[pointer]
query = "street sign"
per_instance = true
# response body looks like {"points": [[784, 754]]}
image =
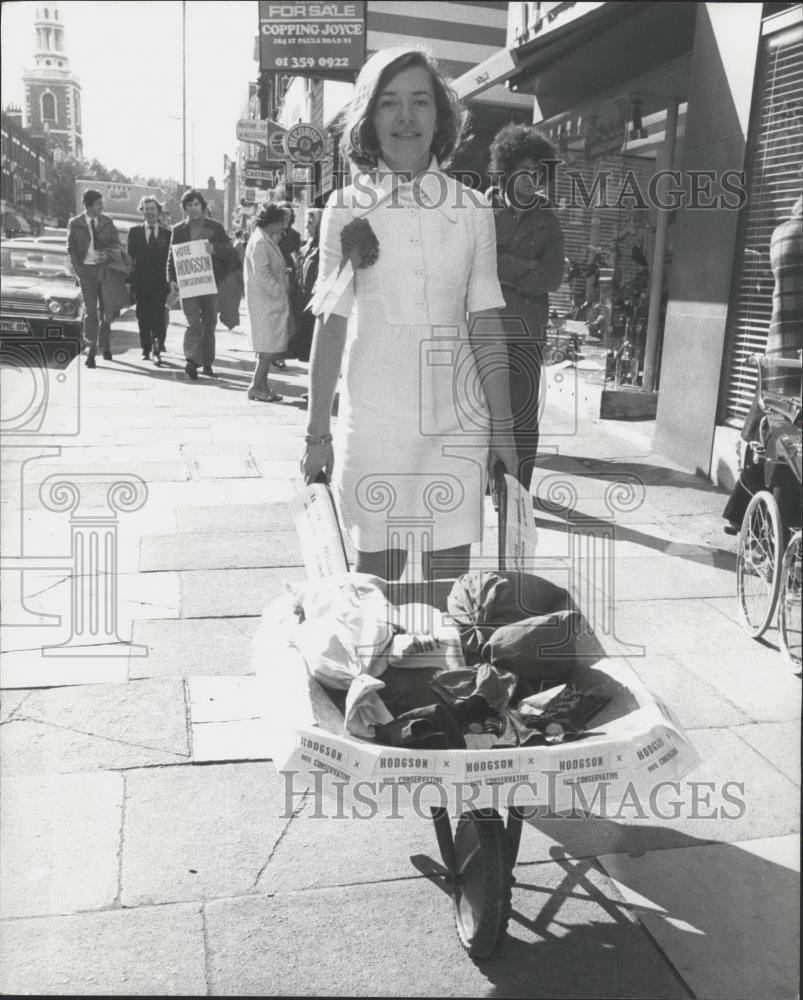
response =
{"points": [[276, 147], [252, 130], [305, 143], [266, 176], [312, 39]]}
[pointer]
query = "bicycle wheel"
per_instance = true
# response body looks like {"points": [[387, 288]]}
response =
{"points": [[483, 879], [789, 613], [758, 564]]}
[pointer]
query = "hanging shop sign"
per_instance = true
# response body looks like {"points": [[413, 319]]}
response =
{"points": [[323, 40], [304, 143], [252, 130]]}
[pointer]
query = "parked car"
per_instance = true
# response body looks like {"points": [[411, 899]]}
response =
{"points": [[39, 292]]}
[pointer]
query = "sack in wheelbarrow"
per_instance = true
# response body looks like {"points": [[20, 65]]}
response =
{"points": [[631, 744]]}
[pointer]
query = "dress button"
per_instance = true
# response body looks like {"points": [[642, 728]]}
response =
{"points": [[411, 211]]}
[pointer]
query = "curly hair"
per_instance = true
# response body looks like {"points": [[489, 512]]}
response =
{"points": [[515, 143], [146, 199], [269, 214], [360, 143]]}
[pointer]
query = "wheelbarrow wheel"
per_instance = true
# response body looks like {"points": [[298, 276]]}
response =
{"points": [[482, 881], [758, 563]]}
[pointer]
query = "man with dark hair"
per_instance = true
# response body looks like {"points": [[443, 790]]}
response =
{"points": [[530, 264], [90, 237], [148, 248], [201, 310]]}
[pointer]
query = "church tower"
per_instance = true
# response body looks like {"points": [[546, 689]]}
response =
{"points": [[52, 93]]}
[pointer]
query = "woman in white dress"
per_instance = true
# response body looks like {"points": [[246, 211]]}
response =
{"points": [[425, 410], [266, 296]]}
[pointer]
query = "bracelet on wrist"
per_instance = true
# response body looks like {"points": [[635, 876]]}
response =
{"points": [[317, 438]]}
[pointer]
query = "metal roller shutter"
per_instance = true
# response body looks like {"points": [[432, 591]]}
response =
{"points": [[773, 186]]}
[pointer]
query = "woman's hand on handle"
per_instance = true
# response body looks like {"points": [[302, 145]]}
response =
{"points": [[502, 451], [317, 462]]}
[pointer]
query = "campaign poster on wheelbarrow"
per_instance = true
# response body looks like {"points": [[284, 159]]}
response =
{"points": [[633, 747]]}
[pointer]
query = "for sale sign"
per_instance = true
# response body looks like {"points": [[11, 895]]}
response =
{"points": [[311, 39], [194, 272]]}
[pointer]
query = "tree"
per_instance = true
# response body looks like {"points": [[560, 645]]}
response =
{"points": [[67, 169]]}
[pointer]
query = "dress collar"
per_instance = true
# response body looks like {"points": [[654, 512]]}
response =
{"points": [[433, 187]]}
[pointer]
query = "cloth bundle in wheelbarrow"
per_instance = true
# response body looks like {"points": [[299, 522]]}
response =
{"points": [[628, 743]]}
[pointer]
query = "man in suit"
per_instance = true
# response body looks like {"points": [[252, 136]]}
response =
{"points": [[90, 236], [201, 310], [148, 248]]}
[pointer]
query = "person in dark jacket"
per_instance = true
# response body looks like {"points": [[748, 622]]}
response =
{"points": [[307, 275], [148, 248], [201, 310], [530, 264], [290, 245], [91, 237]]}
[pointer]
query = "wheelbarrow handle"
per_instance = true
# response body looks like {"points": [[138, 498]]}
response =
{"points": [[498, 484]]}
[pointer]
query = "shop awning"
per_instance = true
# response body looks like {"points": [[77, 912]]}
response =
{"points": [[578, 22], [590, 48]]}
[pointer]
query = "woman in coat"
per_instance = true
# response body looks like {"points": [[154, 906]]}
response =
{"points": [[267, 300]]}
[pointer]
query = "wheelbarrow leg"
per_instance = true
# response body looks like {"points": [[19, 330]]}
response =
{"points": [[443, 832], [514, 821]]}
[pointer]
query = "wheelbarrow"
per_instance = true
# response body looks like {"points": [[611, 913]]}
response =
{"points": [[634, 743]]}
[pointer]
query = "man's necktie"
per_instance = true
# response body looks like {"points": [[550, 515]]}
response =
{"points": [[94, 231]]}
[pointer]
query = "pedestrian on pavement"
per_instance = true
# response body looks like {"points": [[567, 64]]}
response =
{"points": [[148, 248], [267, 298], [530, 263], [239, 244], [200, 311], [290, 245], [401, 479], [91, 238], [785, 340], [306, 276]]}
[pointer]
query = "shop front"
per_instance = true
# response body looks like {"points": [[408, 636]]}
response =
{"points": [[679, 271]]}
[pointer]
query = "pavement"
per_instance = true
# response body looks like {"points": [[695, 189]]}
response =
{"points": [[147, 844]]}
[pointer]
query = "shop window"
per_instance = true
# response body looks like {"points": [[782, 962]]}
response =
{"points": [[773, 177]]}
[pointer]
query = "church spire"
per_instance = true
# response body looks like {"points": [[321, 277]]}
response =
{"points": [[52, 93], [49, 31]]}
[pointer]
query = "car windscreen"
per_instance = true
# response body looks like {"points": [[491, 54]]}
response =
{"points": [[41, 262]]}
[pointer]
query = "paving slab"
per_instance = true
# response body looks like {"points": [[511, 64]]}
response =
{"points": [[223, 699], [222, 493], [148, 951], [236, 517], [778, 742], [567, 938], [225, 550], [727, 916], [757, 682], [60, 843], [695, 703], [180, 647], [139, 595], [233, 592], [109, 726], [198, 832], [676, 627], [330, 844], [663, 577], [28, 668], [236, 740]]}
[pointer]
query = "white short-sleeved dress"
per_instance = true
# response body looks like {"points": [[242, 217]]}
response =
{"points": [[412, 436]]}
